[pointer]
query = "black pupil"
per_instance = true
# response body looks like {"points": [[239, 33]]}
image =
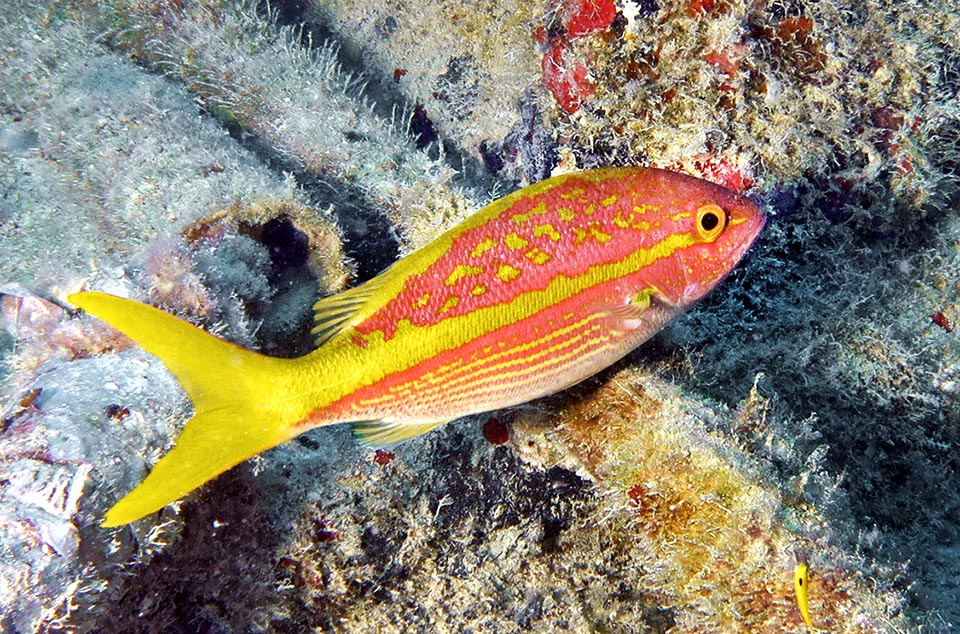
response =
{"points": [[709, 221]]}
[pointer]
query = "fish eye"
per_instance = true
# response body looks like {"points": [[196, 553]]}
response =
{"points": [[711, 221]]}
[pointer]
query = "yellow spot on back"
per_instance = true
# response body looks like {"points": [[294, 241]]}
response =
{"points": [[589, 210], [609, 200], [483, 247], [514, 242], [566, 214], [631, 221], [546, 230], [539, 210], [600, 236], [507, 273], [420, 303], [450, 304], [573, 193], [537, 256], [479, 289], [462, 271]]}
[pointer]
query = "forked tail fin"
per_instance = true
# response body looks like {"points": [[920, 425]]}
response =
{"points": [[241, 405]]}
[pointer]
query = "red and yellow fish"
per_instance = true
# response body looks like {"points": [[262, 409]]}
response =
{"points": [[535, 292]]}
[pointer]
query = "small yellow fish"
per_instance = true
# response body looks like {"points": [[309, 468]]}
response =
{"points": [[801, 583], [535, 292]]}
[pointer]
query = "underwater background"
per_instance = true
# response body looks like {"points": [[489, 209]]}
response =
{"points": [[232, 161]]}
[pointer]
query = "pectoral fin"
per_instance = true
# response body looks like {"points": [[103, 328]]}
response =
{"points": [[646, 307]]}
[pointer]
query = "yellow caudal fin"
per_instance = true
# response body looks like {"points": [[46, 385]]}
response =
{"points": [[238, 395]]}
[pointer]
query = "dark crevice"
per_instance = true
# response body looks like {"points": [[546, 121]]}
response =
{"points": [[369, 238], [285, 321]]}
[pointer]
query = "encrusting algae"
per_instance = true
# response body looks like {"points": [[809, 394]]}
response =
{"points": [[719, 542], [537, 291]]}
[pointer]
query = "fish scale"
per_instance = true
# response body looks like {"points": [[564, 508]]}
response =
{"points": [[538, 290]]}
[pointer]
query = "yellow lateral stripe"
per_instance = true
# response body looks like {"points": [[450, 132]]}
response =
{"points": [[528, 304]]}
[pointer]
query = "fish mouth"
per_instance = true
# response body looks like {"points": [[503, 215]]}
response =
{"points": [[755, 221], [745, 234], [745, 224], [747, 215]]}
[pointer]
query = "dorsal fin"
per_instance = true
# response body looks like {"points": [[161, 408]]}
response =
{"points": [[332, 315]]}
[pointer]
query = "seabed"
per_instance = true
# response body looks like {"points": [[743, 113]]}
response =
{"points": [[232, 161]]}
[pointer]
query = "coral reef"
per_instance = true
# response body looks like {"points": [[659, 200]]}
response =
{"points": [[715, 534], [79, 430], [298, 109], [103, 147], [475, 70], [210, 156]]}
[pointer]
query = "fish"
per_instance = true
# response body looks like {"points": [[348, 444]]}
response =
{"points": [[801, 586], [537, 291]]}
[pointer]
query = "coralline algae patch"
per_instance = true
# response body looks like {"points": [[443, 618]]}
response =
{"points": [[566, 81], [742, 93], [721, 88], [747, 94]]}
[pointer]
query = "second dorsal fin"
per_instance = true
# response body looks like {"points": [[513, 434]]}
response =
{"points": [[332, 315]]}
